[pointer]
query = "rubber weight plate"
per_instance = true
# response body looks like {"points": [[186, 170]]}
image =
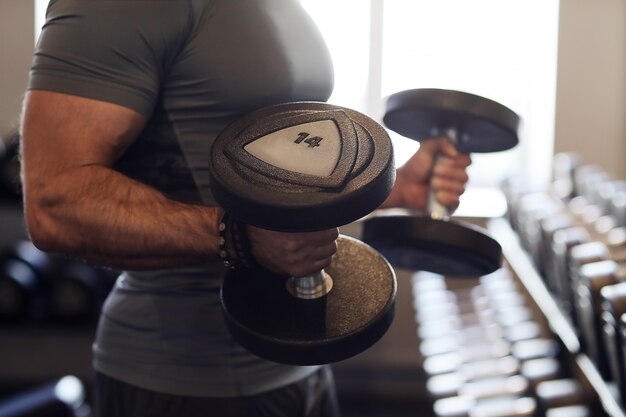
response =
{"points": [[268, 321], [482, 125], [302, 167], [420, 243]]}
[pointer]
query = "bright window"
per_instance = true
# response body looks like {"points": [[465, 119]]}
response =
{"points": [[505, 50]]}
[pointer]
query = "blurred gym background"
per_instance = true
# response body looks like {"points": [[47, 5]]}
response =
{"points": [[561, 65]]}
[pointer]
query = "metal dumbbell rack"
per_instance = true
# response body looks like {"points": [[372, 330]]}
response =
{"points": [[487, 346], [526, 259], [525, 271]]}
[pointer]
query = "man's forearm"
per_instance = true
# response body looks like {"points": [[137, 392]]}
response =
{"points": [[104, 217]]}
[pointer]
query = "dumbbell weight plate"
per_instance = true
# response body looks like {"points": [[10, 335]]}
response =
{"points": [[593, 277], [442, 246], [450, 248], [424, 113], [256, 177], [301, 167], [613, 307], [270, 322]]}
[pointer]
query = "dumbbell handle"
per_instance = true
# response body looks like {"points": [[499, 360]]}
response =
{"points": [[311, 286], [437, 210]]}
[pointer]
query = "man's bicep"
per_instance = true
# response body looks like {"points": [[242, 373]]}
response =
{"points": [[61, 132]]}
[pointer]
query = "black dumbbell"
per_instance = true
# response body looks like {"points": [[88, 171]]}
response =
{"points": [[576, 254], [564, 166], [303, 167], [23, 268], [577, 214], [533, 210], [613, 299], [587, 180], [435, 243], [606, 193], [558, 269], [64, 397], [593, 277], [560, 393], [617, 207], [612, 246], [467, 406], [593, 210]]}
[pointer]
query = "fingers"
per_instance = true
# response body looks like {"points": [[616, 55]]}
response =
{"points": [[449, 179], [454, 169], [293, 254], [449, 174]]}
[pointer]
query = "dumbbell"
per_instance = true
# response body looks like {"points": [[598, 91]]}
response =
{"points": [[301, 167], [467, 406], [480, 360], [578, 213], [560, 393], [566, 256], [64, 397], [593, 278], [606, 194], [436, 243], [592, 209], [617, 207], [578, 256], [564, 166], [613, 300], [23, 268], [532, 209], [563, 241], [612, 246]]}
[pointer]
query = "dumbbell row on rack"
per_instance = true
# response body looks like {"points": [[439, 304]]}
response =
{"points": [[484, 354], [37, 286], [582, 242]]}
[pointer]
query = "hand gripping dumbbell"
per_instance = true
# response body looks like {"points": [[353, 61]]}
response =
{"points": [[435, 243], [301, 167]]}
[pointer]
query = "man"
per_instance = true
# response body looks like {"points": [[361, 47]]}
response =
{"points": [[124, 101]]}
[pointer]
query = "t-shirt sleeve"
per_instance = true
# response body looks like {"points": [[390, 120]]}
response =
{"points": [[110, 50]]}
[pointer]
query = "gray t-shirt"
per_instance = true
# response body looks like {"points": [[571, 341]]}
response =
{"points": [[191, 67]]}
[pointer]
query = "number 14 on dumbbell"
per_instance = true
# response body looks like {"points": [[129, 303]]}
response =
{"points": [[303, 167]]}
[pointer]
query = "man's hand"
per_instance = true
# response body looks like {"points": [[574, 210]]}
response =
{"points": [[293, 254], [437, 164]]}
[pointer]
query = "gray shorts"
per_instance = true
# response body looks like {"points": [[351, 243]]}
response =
{"points": [[314, 396]]}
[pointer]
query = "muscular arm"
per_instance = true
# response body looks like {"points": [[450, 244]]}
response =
{"points": [[77, 204]]}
